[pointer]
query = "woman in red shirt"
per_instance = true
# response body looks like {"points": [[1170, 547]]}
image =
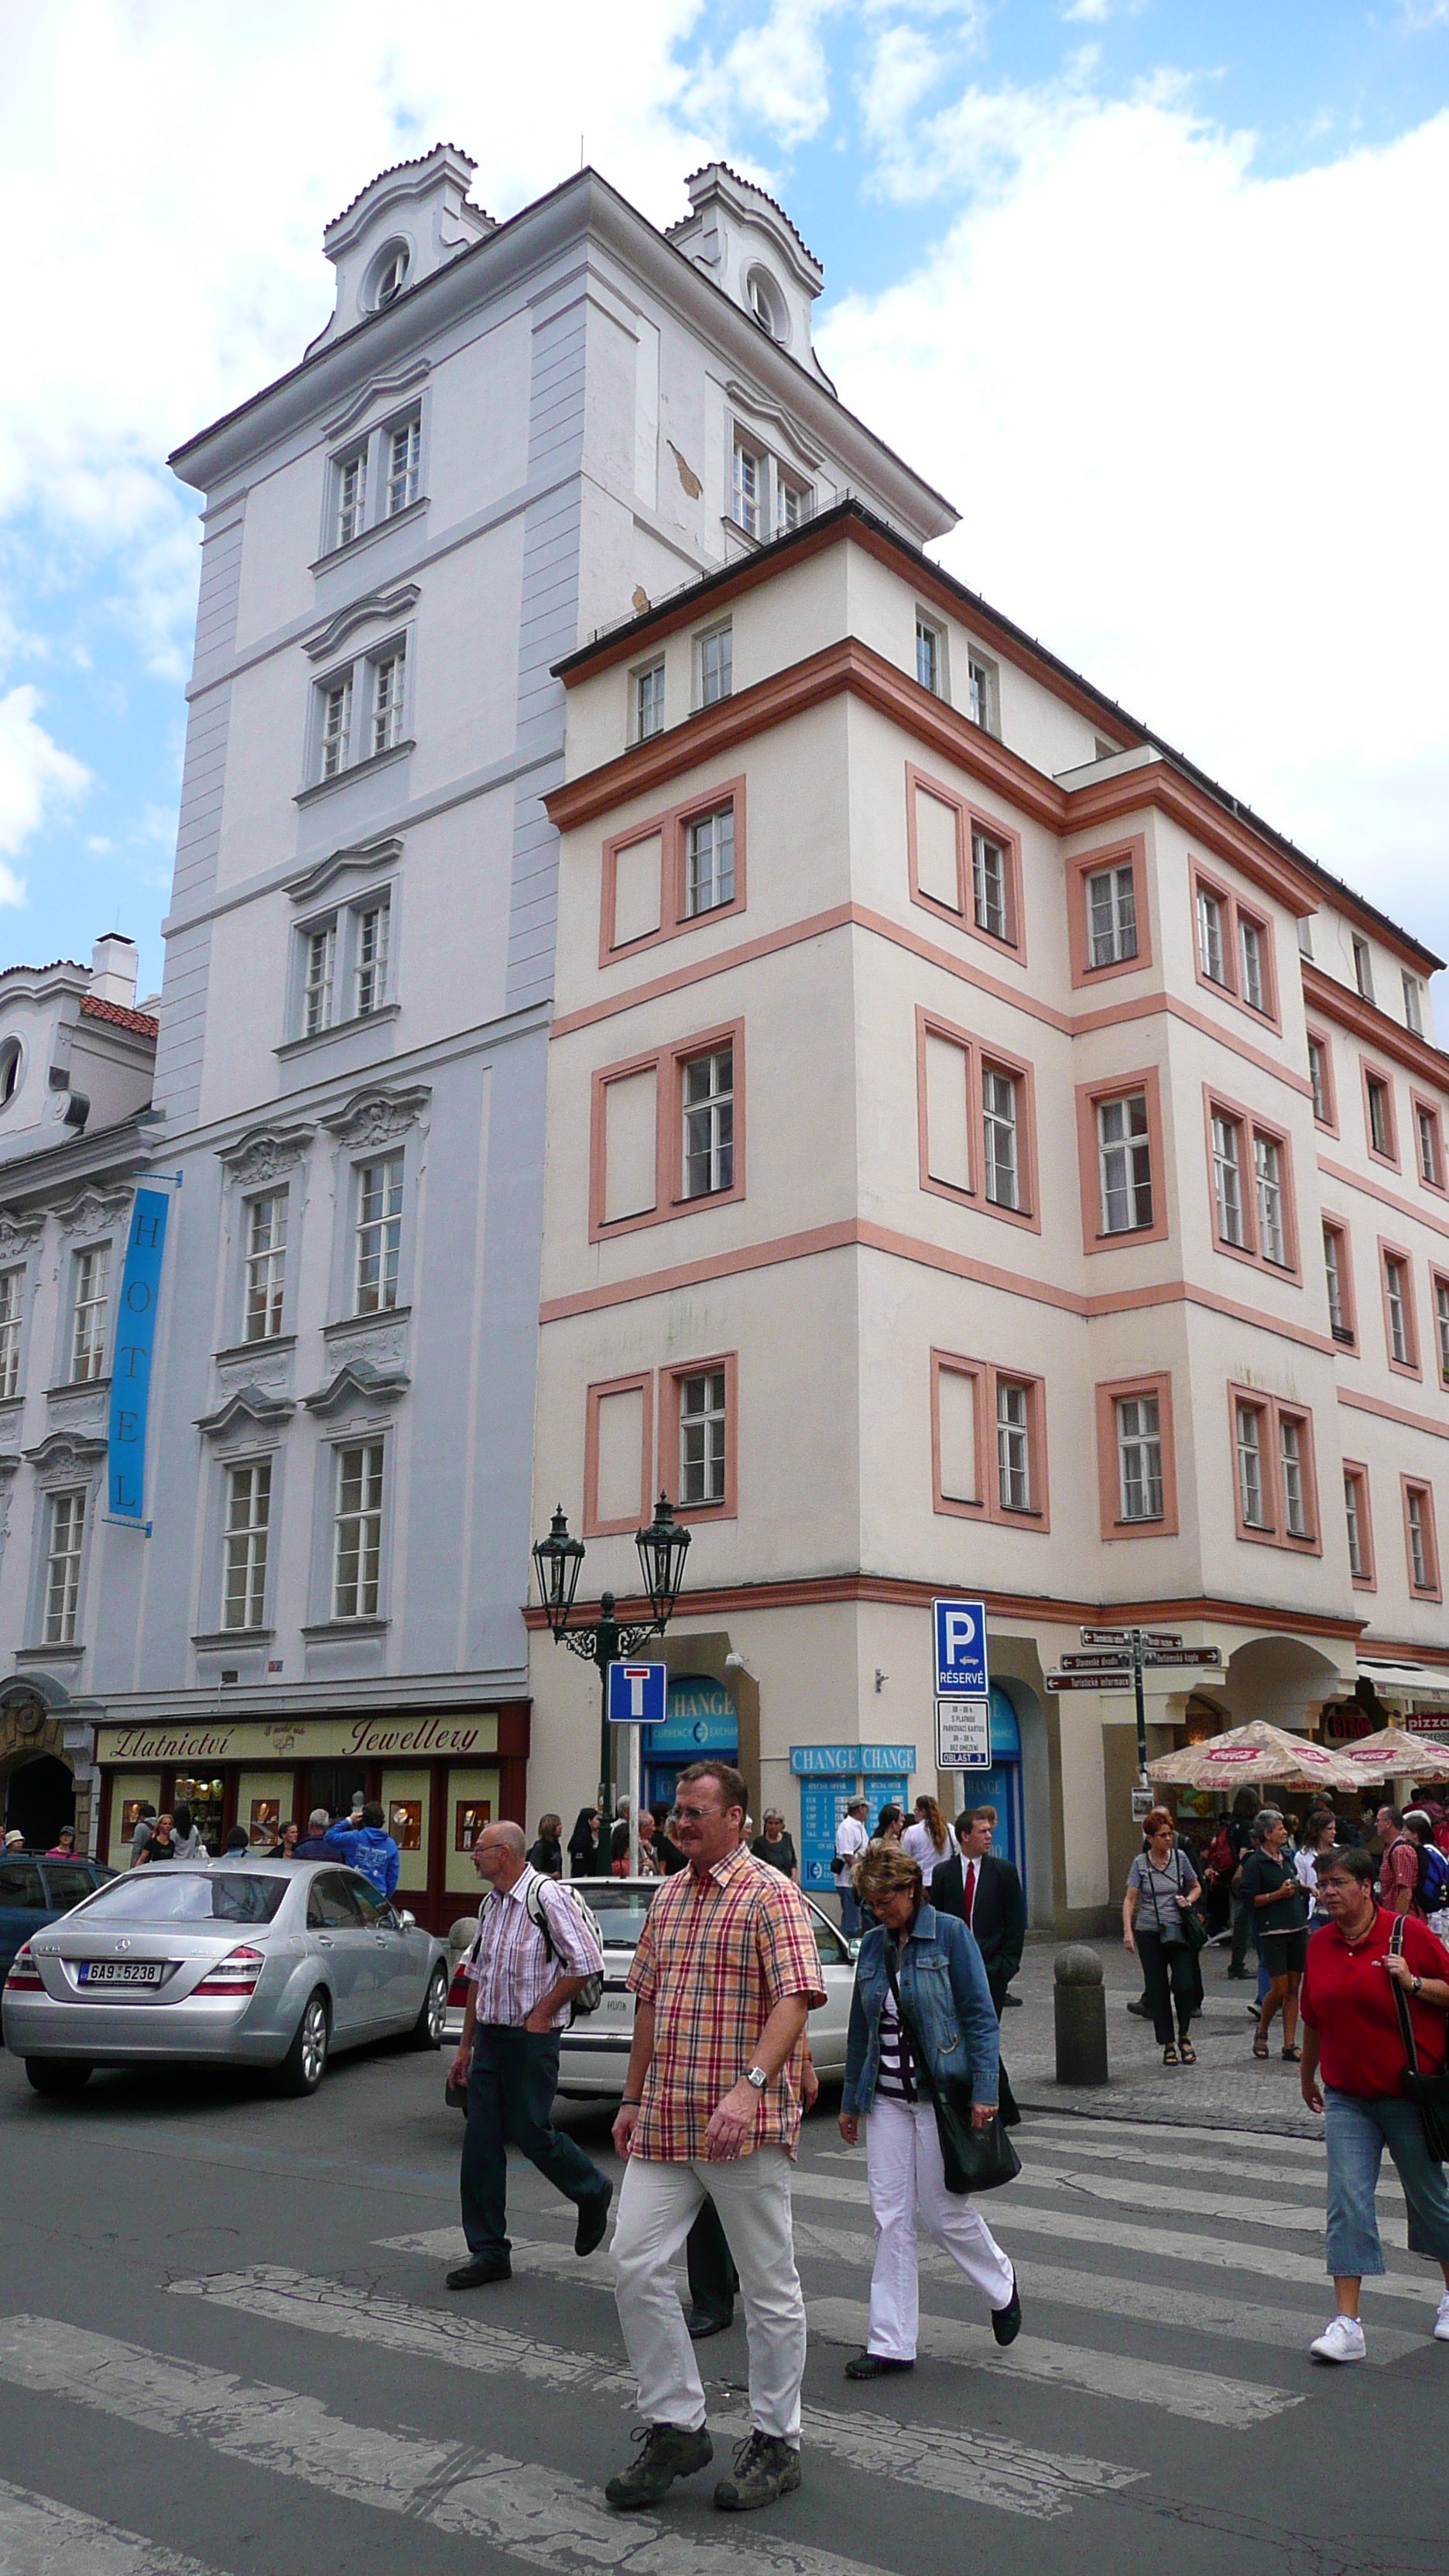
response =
{"points": [[1352, 2040]]}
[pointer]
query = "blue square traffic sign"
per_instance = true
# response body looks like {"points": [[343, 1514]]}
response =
{"points": [[961, 1649], [637, 1694]]}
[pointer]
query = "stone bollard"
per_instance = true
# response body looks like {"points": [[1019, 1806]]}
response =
{"points": [[1081, 2016]]}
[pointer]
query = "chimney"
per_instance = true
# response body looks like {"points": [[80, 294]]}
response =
{"points": [[113, 970]]}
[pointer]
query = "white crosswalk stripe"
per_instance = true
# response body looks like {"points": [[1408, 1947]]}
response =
{"points": [[41, 2537], [1040, 2149]]}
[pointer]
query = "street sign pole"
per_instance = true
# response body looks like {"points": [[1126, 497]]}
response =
{"points": [[636, 1739], [1141, 1707]]}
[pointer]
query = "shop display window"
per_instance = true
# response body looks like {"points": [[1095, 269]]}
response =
{"points": [[405, 1823], [266, 1819], [204, 1797], [131, 1814], [470, 1817]]}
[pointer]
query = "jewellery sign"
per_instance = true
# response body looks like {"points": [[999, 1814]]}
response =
{"points": [[378, 1739], [131, 1365]]}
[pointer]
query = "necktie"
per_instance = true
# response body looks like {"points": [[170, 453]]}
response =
{"points": [[970, 1890]]}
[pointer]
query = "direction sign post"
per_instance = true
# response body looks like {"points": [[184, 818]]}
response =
{"points": [[636, 1695], [1116, 1652]]}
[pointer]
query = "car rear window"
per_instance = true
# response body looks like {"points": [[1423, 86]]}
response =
{"points": [[68, 1881], [174, 1895], [22, 1884], [620, 1909]]}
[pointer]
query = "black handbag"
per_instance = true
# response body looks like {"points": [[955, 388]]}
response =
{"points": [[1431, 2092], [974, 2159]]}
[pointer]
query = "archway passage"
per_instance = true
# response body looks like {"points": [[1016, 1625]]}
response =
{"points": [[39, 1799]]}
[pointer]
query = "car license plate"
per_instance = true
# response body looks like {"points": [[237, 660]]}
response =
{"points": [[120, 1972]]}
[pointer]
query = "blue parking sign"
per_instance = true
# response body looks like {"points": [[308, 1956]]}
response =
{"points": [[637, 1694], [961, 1649]]}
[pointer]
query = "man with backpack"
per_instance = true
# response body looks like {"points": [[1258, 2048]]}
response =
{"points": [[533, 1953], [1431, 1880]]}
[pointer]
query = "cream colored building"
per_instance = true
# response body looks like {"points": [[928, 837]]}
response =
{"points": [[982, 1157]]}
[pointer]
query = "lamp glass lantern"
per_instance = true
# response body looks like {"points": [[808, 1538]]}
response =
{"points": [[663, 1547], [559, 1561]]}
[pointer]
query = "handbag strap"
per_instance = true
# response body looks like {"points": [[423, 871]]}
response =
{"points": [[1406, 2026]]}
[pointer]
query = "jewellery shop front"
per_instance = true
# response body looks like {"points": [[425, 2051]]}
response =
{"points": [[438, 1779]]}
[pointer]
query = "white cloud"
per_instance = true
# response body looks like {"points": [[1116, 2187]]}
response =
{"points": [[1094, 12], [776, 73], [36, 778]]}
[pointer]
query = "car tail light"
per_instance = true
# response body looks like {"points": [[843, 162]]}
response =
{"points": [[24, 1977], [458, 1990], [236, 1974]]}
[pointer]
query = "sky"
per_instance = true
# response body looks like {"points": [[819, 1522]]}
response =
{"points": [[1153, 290]]}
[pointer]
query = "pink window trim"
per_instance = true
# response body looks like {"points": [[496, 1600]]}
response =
{"points": [[672, 828], [1090, 863], [593, 1526], [987, 1375], [1339, 1225], [1326, 1126], [668, 1420], [1109, 1492], [1090, 1098], [1390, 1160], [977, 1058], [1420, 1100], [1432, 1590], [1234, 909], [1367, 1581], [667, 1064], [1271, 1409], [969, 818], [956, 1506], [1438, 1278], [1411, 1367], [1249, 1121]]}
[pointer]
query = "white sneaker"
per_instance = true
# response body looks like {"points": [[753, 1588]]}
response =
{"points": [[1343, 2341], [1441, 2322]]}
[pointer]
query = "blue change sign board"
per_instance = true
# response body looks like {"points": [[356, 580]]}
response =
{"points": [[636, 1694], [961, 1650]]}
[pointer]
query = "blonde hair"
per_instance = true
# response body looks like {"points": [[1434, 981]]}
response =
{"points": [[885, 1870]]}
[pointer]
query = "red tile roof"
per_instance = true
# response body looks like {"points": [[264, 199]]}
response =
{"points": [[141, 1021]]}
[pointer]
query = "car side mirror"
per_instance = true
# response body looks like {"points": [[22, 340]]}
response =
{"points": [[409, 1922]]}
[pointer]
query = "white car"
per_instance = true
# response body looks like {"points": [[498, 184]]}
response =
{"points": [[594, 2054]]}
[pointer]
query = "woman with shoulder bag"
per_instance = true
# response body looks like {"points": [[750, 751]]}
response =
{"points": [[1374, 2004], [1162, 1889], [920, 1993]]}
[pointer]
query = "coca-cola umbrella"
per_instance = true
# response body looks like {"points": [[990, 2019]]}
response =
{"points": [[1393, 1754], [1258, 1756]]}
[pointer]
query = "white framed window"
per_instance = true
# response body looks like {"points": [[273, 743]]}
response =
{"points": [[649, 702], [266, 1266], [1413, 1003], [1124, 1158], [1363, 967], [747, 489], [369, 965], [350, 473], [361, 711], [930, 656], [714, 664], [404, 443], [1249, 1432], [702, 1431], [317, 982], [336, 726], [1227, 1179], [388, 676], [244, 1563], [708, 1089], [92, 1278], [1250, 963], [12, 1283], [1210, 936], [709, 861], [1353, 1522], [1380, 1134], [989, 885], [1431, 1159], [357, 1531], [1396, 1306], [1419, 1564], [1139, 1458], [1290, 1466], [1013, 1445], [1333, 1280], [1441, 1323], [792, 504], [1318, 1076], [1111, 915], [1000, 1105], [1268, 1177], [64, 1540], [392, 277], [379, 1233], [981, 692], [1305, 936]]}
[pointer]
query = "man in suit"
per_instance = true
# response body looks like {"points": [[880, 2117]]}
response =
{"points": [[985, 1893]]}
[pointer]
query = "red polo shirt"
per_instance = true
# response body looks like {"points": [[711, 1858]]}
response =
{"points": [[1348, 1998]]}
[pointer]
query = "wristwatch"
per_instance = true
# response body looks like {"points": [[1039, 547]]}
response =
{"points": [[756, 2078], [1417, 1987]]}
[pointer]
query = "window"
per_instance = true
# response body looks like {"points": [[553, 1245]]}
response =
{"points": [[387, 700], [357, 1526], [64, 1540], [88, 1319], [11, 1055], [1399, 1313], [715, 653], [975, 1135], [351, 473], [981, 693], [747, 488], [1013, 1445], [11, 1286], [1380, 1106], [792, 505], [1139, 1458], [1210, 936], [1124, 1162], [1290, 1467], [1335, 1273], [990, 878], [1276, 1496], [370, 960], [1431, 1145], [998, 1129], [317, 984], [1111, 916], [1441, 1324], [360, 711], [1423, 1548], [1318, 1075], [928, 656], [248, 1512], [392, 276], [1268, 1177], [702, 1423], [266, 1265], [709, 861], [1356, 1524], [1363, 967], [336, 727], [972, 1400], [709, 1122], [1227, 1180], [649, 702], [404, 456], [1413, 1003], [1305, 936], [1249, 1420], [379, 1233], [1250, 963], [766, 304], [963, 865]]}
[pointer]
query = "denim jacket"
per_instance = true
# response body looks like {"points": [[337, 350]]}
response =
{"points": [[944, 1990]]}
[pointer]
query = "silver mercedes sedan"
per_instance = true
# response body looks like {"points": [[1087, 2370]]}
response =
{"points": [[269, 1964]]}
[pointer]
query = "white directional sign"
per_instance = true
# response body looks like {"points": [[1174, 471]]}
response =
{"points": [[963, 1735], [637, 1694], [960, 1650]]}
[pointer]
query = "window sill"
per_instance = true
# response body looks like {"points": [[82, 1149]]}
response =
{"points": [[376, 1318], [69, 1654], [221, 1639], [1147, 1521], [291, 1047], [254, 1350], [11, 1405], [355, 769], [324, 1628], [1019, 1512], [368, 536], [76, 1386]]}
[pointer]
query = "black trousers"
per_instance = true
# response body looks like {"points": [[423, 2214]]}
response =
{"points": [[511, 2084], [1244, 1931], [713, 2279], [1005, 2098], [1168, 1975]]}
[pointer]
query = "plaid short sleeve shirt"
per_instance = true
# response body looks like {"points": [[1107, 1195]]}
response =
{"points": [[714, 1959]]}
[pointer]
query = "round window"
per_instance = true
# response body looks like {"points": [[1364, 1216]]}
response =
{"points": [[767, 304], [389, 274], [9, 1071]]}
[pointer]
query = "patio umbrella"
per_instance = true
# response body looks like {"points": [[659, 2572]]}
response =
{"points": [[1394, 1754], [1257, 1756]]}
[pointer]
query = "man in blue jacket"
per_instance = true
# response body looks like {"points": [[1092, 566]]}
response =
{"points": [[369, 1848]]}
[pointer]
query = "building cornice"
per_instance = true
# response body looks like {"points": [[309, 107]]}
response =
{"points": [[1334, 1001], [807, 1591]]}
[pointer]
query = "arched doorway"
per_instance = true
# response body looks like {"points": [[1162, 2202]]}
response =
{"points": [[39, 1799]]}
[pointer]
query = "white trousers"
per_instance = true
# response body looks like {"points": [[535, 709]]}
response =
{"points": [[907, 2178], [658, 2204]]}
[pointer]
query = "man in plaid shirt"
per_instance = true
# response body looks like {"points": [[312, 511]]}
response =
{"points": [[724, 1976]]}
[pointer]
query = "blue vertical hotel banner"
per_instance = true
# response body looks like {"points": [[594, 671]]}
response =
{"points": [[131, 1365]]}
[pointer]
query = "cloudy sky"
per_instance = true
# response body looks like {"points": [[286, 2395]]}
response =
{"points": [[1153, 289]]}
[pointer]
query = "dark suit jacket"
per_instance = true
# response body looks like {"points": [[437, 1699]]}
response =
{"points": [[998, 1917]]}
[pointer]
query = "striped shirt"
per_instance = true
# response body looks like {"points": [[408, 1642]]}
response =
{"points": [[896, 2073], [714, 1958], [509, 1965]]}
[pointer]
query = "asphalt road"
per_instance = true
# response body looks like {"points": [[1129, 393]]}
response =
{"points": [[225, 2343]]}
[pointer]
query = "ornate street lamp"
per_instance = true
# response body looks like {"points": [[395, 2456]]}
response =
{"points": [[559, 1559]]}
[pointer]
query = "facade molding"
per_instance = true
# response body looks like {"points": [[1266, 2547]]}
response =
{"points": [[376, 1114], [357, 1379], [264, 1152], [356, 858], [811, 1591], [375, 607]]}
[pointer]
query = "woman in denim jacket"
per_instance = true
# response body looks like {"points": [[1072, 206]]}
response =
{"points": [[948, 2003]]}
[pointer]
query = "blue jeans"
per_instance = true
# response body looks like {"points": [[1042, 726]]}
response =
{"points": [[1358, 2127], [849, 1907], [511, 2085]]}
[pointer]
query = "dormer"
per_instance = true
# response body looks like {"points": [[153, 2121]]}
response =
{"points": [[407, 223], [76, 1056], [748, 245]]}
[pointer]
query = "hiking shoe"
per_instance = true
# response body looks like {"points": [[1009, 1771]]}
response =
{"points": [[593, 2219], [1006, 2322], [1441, 2322], [1341, 2341], [666, 2452], [765, 2469]]}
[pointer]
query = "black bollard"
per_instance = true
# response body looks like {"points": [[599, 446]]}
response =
{"points": [[1081, 2016]]}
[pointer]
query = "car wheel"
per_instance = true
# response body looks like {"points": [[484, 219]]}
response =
{"points": [[305, 2063], [427, 2030], [58, 2079]]}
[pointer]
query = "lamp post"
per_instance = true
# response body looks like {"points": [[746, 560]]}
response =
{"points": [[559, 1559]]}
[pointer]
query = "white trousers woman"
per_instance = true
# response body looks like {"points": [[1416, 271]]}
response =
{"points": [[908, 2187]]}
